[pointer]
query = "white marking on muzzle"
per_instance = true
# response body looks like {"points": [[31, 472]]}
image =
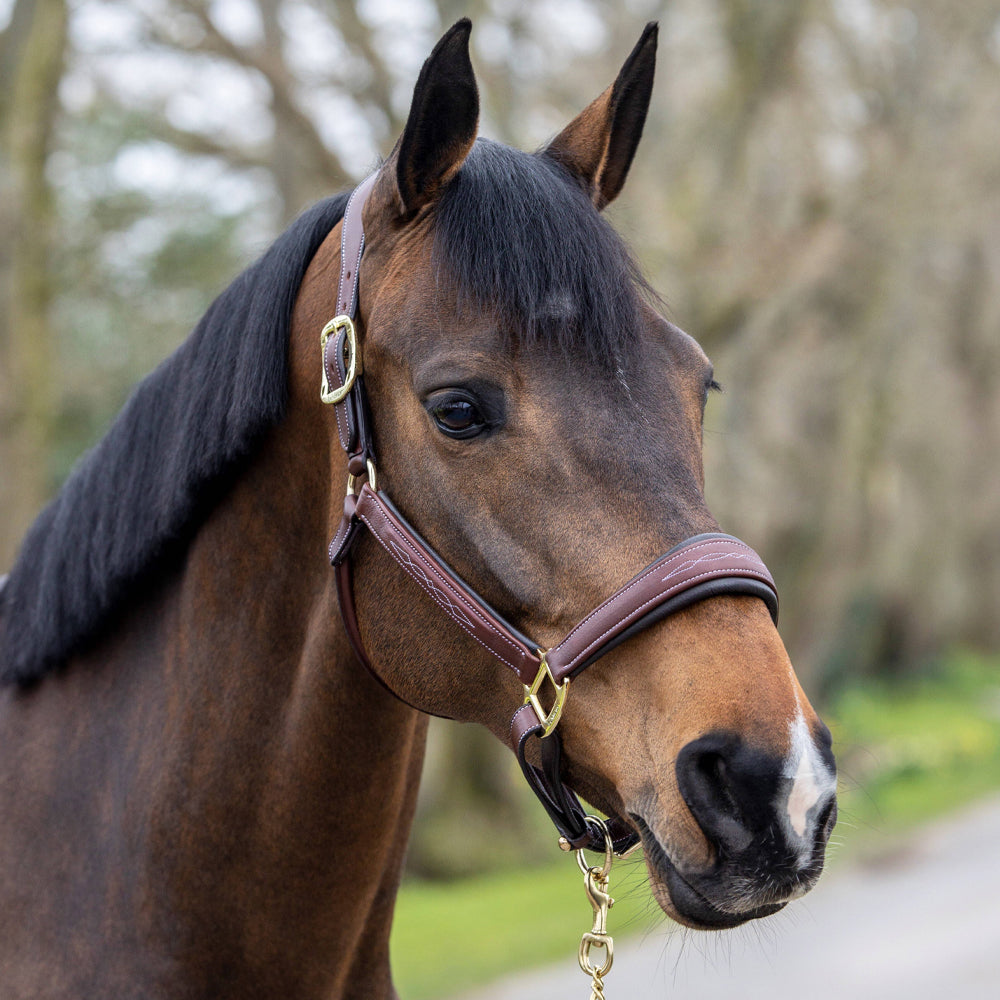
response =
{"points": [[811, 782]]}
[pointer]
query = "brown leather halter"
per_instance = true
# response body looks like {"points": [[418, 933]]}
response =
{"points": [[700, 567]]}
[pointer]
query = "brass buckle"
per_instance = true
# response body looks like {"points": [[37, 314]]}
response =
{"points": [[352, 481], [549, 719], [332, 329]]}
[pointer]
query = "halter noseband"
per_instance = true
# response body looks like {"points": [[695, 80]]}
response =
{"points": [[703, 566]]}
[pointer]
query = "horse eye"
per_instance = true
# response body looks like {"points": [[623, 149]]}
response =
{"points": [[458, 418]]}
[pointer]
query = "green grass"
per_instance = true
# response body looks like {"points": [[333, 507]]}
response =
{"points": [[449, 937], [905, 752], [908, 753]]}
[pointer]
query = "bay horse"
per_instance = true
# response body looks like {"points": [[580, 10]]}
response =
{"points": [[203, 792]]}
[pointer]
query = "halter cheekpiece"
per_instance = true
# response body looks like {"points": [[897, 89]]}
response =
{"points": [[702, 566]]}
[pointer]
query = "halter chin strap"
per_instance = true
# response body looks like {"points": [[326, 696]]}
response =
{"points": [[703, 566]]}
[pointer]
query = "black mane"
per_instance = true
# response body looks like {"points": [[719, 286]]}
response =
{"points": [[523, 240], [516, 232], [139, 496]]}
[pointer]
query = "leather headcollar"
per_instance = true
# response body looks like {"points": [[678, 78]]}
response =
{"points": [[700, 567]]}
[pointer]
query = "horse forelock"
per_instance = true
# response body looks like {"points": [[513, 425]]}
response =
{"points": [[523, 241], [135, 501]]}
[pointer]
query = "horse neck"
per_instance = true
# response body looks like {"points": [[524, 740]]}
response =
{"points": [[297, 810]]}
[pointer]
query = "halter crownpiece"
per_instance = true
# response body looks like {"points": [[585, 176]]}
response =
{"points": [[704, 566]]}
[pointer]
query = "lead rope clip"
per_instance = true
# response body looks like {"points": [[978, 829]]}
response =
{"points": [[595, 881]]}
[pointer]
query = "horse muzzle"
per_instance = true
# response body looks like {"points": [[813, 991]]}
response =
{"points": [[767, 819]]}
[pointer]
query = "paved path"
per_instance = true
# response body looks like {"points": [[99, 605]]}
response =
{"points": [[922, 925]]}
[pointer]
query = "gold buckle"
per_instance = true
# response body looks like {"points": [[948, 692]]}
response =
{"points": [[352, 481], [549, 719], [332, 329]]}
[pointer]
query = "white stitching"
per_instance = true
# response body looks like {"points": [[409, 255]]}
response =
{"points": [[354, 283], [345, 442], [341, 433], [428, 584], [510, 734], [349, 307], [662, 595], [708, 557], [333, 548], [655, 568], [485, 621], [435, 596], [343, 246], [440, 598]]}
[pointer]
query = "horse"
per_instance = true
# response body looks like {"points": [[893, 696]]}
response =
{"points": [[208, 771]]}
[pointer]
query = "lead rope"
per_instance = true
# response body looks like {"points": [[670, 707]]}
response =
{"points": [[596, 882]]}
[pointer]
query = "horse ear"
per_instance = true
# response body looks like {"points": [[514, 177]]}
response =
{"points": [[443, 121], [598, 145]]}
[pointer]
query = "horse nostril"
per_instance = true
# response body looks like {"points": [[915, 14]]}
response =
{"points": [[725, 787], [714, 775], [745, 799]]}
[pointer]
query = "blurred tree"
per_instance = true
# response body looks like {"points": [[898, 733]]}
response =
{"points": [[826, 200], [31, 62]]}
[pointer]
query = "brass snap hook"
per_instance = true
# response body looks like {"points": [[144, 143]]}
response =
{"points": [[609, 849], [596, 883], [597, 936]]}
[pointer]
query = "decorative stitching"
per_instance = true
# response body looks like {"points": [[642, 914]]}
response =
{"points": [[428, 584], [437, 595], [708, 557], [482, 618], [657, 598], [655, 568], [663, 594]]}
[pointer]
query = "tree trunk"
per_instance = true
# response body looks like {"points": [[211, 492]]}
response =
{"points": [[32, 55]]}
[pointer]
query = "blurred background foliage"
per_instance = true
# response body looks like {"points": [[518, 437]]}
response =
{"points": [[817, 197]]}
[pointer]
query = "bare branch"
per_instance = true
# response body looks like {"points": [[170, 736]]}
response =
{"points": [[282, 85]]}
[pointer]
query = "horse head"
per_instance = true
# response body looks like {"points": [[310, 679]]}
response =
{"points": [[539, 423]]}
